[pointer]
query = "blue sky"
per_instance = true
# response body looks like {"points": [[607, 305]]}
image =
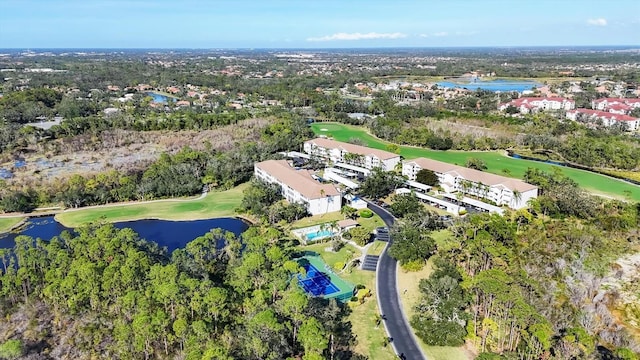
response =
{"points": [[315, 24]]}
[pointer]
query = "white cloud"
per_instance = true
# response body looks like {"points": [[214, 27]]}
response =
{"points": [[597, 22], [437, 34], [358, 36]]}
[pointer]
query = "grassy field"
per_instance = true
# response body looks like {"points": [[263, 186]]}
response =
{"points": [[408, 283], [6, 223], [363, 317], [215, 204], [376, 248], [495, 161]]}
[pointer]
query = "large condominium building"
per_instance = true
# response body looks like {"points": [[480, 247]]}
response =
{"points": [[298, 186], [616, 105], [533, 104], [340, 152], [452, 178], [608, 118]]}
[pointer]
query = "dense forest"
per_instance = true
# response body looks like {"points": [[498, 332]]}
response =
{"points": [[105, 293]]}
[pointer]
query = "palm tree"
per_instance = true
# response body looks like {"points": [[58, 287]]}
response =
{"points": [[516, 198]]}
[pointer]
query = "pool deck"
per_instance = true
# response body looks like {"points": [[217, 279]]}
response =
{"points": [[303, 232]]}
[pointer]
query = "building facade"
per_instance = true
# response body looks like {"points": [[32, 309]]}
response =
{"points": [[340, 152], [607, 118], [299, 186], [452, 178], [615, 105], [527, 105]]}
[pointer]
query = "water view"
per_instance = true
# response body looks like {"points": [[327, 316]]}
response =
{"points": [[493, 85], [172, 234], [159, 98]]}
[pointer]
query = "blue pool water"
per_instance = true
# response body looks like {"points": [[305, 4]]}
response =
{"points": [[319, 234], [172, 234], [315, 282], [494, 85], [157, 98]]}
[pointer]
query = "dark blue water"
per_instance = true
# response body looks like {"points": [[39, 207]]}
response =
{"points": [[494, 85], [160, 98], [172, 234]]}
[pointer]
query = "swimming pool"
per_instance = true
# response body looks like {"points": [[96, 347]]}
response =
{"points": [[315, 232], [319, 235]]}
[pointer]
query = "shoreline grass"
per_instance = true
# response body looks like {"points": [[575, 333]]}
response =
{"points": [[215, 204], [7, 223], [496, 161]]}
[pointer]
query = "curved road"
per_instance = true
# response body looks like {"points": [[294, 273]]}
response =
{"points": [[395, 322]]}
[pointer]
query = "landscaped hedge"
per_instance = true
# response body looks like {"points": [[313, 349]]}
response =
{"points": [[366, 213]]}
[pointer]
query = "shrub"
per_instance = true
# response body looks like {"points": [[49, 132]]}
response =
{"points": [[462, 212], [11, 349], [360, 286], [414, 265], [360, 235], [354, 298], [336, 245], [339, 265], [366, 213]]}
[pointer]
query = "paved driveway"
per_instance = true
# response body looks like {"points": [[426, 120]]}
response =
{"points": [[397, 326]]}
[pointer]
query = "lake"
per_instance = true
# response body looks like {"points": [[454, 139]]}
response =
{"points": [[501, 85], [172, 234], [158, 98]]}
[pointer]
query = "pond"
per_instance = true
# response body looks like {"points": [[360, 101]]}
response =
{"points": [[493, 85], [172, 234], [159, 98]]}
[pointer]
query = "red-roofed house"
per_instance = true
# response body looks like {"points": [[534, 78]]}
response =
{"points": [[533, 104], [615, 105], [607, 118]]}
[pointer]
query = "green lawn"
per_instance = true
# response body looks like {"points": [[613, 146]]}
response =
{"points": [[376, 248], [6, 223], [495, 161], [215, 204], [345, 254]]}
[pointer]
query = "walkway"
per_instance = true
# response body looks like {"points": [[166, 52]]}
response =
{"points": [[395, 321]]}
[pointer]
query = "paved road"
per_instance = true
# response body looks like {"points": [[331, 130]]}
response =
{"points": [[396, 324]]}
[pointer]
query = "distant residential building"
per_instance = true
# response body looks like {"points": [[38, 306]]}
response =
{"points": [[534, 104], [501, 190], [341, 152], [615, 105], [299, 186], [607, 118]]}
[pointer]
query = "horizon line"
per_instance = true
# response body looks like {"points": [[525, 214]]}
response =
{"points": [[322, 48]]}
